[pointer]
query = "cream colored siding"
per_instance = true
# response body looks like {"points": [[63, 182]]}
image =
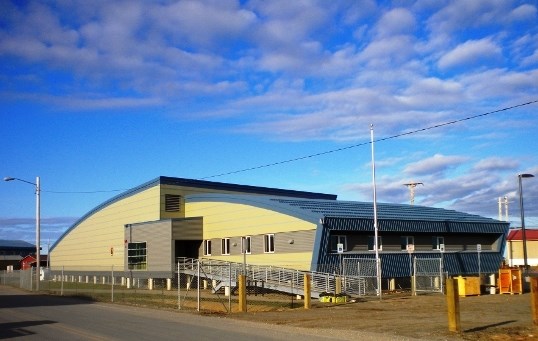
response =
{"points": [[88, 244], [223, 220], [232, 220]]}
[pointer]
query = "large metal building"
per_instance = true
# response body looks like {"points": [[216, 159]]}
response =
{"points": [[147, 228]]}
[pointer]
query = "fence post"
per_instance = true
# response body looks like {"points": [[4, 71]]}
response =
{"points": [[62, 284], [230, 285], [242, 294], [198, 285], [112, 284], [453, 305], [307, 291], [178, 288], [534, 300]]}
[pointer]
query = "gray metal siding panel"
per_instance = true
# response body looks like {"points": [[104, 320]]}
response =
{"points": [[303, 241], [158, 236]]}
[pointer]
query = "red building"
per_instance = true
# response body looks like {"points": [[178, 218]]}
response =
{"points": [[29, 262]]}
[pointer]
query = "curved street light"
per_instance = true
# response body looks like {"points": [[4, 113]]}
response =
{"points": [[523, 232], [37, 223]]}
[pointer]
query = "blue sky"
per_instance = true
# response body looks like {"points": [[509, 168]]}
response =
{"points": [[100, 96]]}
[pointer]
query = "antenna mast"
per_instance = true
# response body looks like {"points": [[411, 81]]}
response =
{"points": [[411, 187]]}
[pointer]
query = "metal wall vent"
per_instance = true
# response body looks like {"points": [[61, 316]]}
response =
{"points": [[172, 203]]}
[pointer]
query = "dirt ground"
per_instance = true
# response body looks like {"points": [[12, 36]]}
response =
{"points": [[486, 317]]}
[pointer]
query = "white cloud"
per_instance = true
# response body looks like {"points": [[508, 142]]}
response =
{"points": [[434, 165], [495, 164], [396, 22], [471, 53]]}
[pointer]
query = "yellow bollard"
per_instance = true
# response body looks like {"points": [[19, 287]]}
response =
{"points": [[453, 305], [307, 292], [534, 300], [242, 293]]}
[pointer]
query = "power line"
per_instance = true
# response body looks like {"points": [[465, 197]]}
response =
{"points": [[367, 143], [86, 192]]}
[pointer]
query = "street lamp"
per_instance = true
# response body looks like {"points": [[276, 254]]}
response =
{"points": [[523, 232], [37, 224]]}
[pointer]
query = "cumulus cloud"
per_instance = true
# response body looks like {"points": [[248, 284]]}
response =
{"points": [[474, 52], [434, 165]]}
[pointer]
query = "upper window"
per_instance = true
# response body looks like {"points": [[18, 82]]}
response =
{"points": [[225, 246], [245, 245], [338, 239], [207, 247], [269, 243], [408, 243], [438, 243], [137, 256], [371, 246], [172, 203]]}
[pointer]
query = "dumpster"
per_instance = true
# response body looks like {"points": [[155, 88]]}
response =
{"points": [[510, 281], [468, 286]]}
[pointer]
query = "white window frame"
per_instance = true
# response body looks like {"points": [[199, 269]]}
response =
{"points": [[246, 242], [207, 247], [338, 239], [406, 242], [225, 246], [371, 241], [269, 243], [437, 242]]}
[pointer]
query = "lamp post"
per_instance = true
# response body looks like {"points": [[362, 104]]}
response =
{"points": [[523, 232], [37, 224]]}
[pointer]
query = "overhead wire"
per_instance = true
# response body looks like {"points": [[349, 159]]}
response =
{"points": [[369, 142], [272, 164]]}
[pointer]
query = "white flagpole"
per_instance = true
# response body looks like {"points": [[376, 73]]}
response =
{"points": [[376, 246]]}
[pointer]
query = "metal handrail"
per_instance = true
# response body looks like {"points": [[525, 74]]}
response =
{"points": [[276, 276]]}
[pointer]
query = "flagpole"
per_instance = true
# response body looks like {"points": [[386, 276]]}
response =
{"points": [[376, 246]]}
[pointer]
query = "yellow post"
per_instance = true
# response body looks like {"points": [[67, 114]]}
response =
{"points": [[338, 286], [534, 300], [453, 305], [242, 293], [307, 292]]}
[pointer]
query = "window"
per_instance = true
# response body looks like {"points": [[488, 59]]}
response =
{"points": [[438, 243], [338, 239], [172, 202], [225, 246], [137, 256], [371, 241], [408, 243], [207, 247], [269, 243], [245, 245]]}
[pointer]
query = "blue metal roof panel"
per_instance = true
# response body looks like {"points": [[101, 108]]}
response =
{"points": [[15, 244], [384, 211]]}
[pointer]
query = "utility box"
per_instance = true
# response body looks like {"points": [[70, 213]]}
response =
{"points": [[510, 281], [468, 286]]}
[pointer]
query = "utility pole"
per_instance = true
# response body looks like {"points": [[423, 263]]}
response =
{"points": [[412, 186]]}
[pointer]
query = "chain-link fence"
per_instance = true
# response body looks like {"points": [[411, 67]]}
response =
{"points": [[210, 286], [428, 275]]}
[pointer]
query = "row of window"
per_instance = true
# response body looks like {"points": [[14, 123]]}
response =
{"points": [[407, 243], [246, 242]]}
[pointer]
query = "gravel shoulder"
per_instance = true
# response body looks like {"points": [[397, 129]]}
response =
{"points": [[406, 317]]}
